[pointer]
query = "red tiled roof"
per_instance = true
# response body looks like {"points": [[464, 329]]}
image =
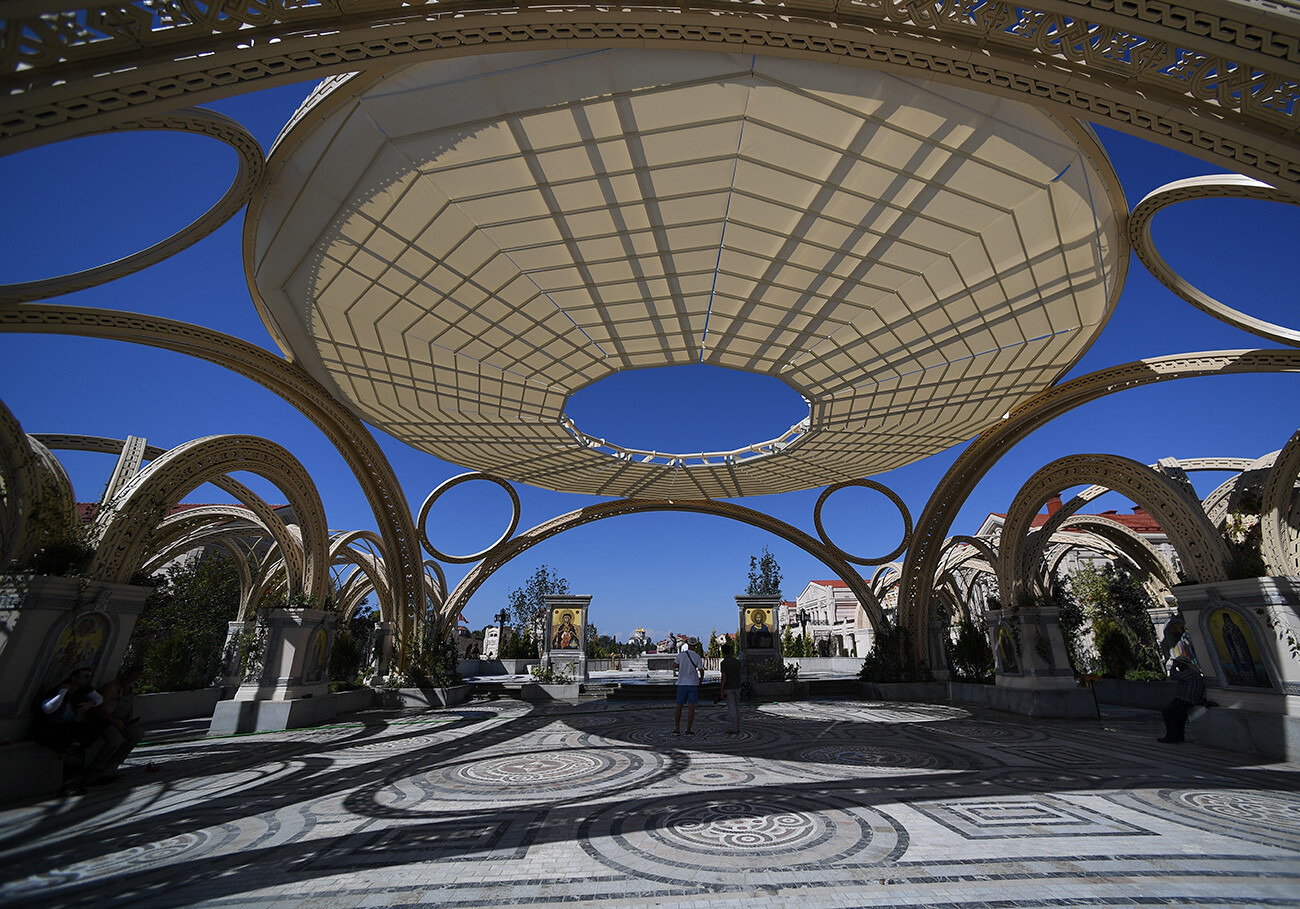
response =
{"points": [[1140, 521], [834, 583]]}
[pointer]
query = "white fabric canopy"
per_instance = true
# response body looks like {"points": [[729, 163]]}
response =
{"points": [[461, 245]]}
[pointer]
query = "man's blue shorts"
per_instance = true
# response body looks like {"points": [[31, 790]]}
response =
{"points": [[687, 694]]}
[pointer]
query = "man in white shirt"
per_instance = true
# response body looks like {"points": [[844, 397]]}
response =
{"points": [[689, 666]]}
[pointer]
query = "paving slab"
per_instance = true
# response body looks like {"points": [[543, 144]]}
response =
{"points": [[821, 802]]}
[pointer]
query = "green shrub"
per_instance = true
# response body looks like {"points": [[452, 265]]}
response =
{"points": [[891, 658], [1114, 648], [970, 656]]}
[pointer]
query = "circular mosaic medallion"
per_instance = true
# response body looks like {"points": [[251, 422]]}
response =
{"points": [[723, 840], [1258, 810], [882, 758], [716, 776], [533, 776], [591, 721], [394, 745], [724, 827], [1001, 731], [540, 769]]}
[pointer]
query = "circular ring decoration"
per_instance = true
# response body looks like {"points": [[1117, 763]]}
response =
{"points": [[1228, 186], [252, 166], [878, 487], [456, 481]]}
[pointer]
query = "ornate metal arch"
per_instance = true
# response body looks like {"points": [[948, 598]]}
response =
{"points": [[124, 528], [502, 554], [34, 487], [359, 449], [980, 545], [54, 507], [371, 567], [1251, 476], [1198, 543], [1132, 545], [1213, 187], [984, 451], [252, 165], [1280, 516], [1220, 84]]}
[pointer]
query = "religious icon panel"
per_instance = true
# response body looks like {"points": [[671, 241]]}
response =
{"points": [[565, 633]]}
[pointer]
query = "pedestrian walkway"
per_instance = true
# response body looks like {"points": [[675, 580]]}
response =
{"points": [[822, 803]]}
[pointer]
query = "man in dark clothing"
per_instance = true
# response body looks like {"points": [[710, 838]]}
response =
{"points": [[731, 689], [1190, 692], [65, 724]]}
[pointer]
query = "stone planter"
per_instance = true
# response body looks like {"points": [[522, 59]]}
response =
{"points": [[766, 690], [538, 693], [1150, 695], [425, 697], [905, 691]]}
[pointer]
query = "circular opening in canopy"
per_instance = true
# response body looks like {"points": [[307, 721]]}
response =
{"points": [[687, 412]]}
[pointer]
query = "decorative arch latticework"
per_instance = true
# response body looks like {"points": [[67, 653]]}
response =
{"points": [[1160, 576], [1198, 544], [503, 553], [1220, 83], [124, 527], [362, 551], [353, 441], [1280, 515], [983, 452], [38, 504]]}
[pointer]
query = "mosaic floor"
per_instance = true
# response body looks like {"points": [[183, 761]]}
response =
{"points": [[819, 803]]}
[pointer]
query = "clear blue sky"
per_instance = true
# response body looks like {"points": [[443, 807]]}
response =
{"points": [[81, 203]]}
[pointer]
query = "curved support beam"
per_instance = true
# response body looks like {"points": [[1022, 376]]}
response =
{"points": [[136, 510], [182, 526], [38, 503], [1133, 546], [1226, 186], [54, 514], [1227, 496], [504, 553], [357, 446], [1199, 545], [1215, 84], [372, 566], [264, 581], [979, 544], [984, 451], [1280, 516], [197, 536]]}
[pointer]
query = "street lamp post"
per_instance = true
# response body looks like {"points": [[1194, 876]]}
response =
{"points": [[803, 624]]}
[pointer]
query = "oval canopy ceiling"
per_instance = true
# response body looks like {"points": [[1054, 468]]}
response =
{"points": [[456, 247]]}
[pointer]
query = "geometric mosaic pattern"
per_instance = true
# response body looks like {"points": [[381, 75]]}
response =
{"points": [[824, 802]]}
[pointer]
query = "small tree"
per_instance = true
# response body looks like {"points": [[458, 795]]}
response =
{"points": [[715, 647], [788, 646], [1114, 595], [182, 627], [891, 658], [764, 576], [527, 604], [969, 655]]}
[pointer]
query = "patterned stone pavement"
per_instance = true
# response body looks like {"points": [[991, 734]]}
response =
{"points": [[819, 803]]}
